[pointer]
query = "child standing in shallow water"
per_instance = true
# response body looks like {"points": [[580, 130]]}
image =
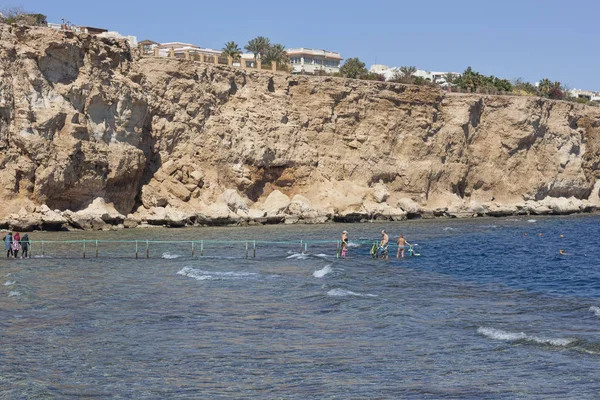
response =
{"points": [[344, 243], [16, 245]]}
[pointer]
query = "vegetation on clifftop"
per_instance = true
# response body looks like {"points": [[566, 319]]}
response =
{"points": [[17, 15]]}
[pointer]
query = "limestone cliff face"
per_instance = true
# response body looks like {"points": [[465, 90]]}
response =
{"points": [[91, 135]]}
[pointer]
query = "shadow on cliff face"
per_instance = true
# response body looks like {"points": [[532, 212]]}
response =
{"points": [[475, 113], [153, 159], [62, 62], [261, 178]]}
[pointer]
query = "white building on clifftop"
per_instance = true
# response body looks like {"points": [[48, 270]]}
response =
{"points": [[433, 76], [585, 94], [311, 61]]}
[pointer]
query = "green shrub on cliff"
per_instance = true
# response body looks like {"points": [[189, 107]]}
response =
{"points": [[353, 68], [473, 81], [16, 15]]}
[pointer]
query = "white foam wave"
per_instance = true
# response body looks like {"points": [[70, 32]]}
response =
{"points": [[169, 256], [298, 256], [531, 221], [449, 229], [353, 244], [13, 293], [9, 283], [202, 275], [344, 293], [41, 256], [499, 334], [322, 255], [322, 272], [595, 310]]}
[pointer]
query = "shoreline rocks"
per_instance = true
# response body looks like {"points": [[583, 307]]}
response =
{"points": [[102, 216]]}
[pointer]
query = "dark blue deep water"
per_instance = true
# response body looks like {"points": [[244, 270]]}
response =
{"points": [[490, 310]]}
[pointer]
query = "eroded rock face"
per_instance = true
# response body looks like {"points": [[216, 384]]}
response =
{"points": [[173, 142]]}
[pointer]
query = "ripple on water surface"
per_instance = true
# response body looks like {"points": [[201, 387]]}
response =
{"points": [[485, 312]]}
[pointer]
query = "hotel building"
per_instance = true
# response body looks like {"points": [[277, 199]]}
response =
{"points": [[311, 61]]}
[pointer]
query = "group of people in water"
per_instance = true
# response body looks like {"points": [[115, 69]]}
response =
{"points": [[13, 243], [380, 250]]}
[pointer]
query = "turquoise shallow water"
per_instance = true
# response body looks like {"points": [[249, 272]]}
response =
{"points": [[484, 312]]}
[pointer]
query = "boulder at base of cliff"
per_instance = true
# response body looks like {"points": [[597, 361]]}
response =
{"points": [[383, 212], [233, 200], [159, 216], [536, 208], [98, 215], [301, 206], [52, 220], [217, 214], [132, 221], [175, 218], [81, 220], [380, 193], [562, 205], [40, 218], [153, 196], [23, 223], [276, 204], [501, 210], [153, 215], [476, 209], [412, 208]]}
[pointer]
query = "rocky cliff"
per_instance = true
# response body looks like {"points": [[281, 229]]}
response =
{"points": [[92, 136]]}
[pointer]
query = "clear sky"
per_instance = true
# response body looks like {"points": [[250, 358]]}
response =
{"points": [[531, 39]]}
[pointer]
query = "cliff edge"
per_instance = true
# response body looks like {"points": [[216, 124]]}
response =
{"points": [[92, 136]]}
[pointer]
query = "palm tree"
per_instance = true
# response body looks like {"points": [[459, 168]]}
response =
{"points": [[408, 72], [544, 86], [450, 77], [258, 46], [276, 53], [232, 50]]}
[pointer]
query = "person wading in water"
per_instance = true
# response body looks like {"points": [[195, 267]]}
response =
{"points": [[383, 246], [401, 243], [344, 243]]}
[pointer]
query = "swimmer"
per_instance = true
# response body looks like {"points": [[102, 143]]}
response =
{"points": [[562, 252], [401, 243], [344, 243]]}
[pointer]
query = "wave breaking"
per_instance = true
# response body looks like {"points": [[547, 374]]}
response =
{"points": [[202, 275], [322, 272], [499, 334], [343, 293]]}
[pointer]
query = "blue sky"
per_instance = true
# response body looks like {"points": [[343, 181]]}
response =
{"points": [[531, 39]]}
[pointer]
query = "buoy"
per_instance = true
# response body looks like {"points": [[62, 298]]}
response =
{"points": [[562, 236]]}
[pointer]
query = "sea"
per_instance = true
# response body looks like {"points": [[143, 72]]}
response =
{"points": [[490, 309]]}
